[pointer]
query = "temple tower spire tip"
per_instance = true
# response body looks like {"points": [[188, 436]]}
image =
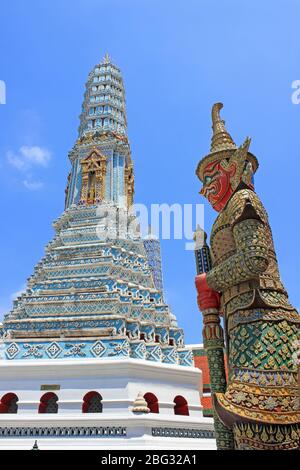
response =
{"points": [[104, 106], [106, 59]]}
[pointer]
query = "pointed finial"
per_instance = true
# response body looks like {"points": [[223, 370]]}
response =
{"points": [[140, 405], [221, 140], [35, 446], [106, 59]]}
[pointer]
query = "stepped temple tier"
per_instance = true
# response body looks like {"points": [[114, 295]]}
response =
{"points": [[92, 355]]}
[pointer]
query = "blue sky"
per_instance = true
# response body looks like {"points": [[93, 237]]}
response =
{"points": [[177, 58]]}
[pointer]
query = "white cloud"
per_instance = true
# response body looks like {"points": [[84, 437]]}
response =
{"points": [[15, 160], [33, 185], [25, 160], [27, 157], [36, 155]]}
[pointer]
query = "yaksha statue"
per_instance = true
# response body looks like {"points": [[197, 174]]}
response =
{"points": [[261, 403]]}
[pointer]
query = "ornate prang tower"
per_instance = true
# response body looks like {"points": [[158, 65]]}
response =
{"points": [[91, 352], [260, 406]]}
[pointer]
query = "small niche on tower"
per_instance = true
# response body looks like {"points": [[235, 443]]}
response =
{"points": [[91, 187], [93, 178]]}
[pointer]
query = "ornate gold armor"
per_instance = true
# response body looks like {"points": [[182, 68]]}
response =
{"points": [[261, 403], [260, 321]]}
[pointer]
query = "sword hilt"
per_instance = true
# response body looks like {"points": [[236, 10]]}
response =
{"points": [[202, 252]]}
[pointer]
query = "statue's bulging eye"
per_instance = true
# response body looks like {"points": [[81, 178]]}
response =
{"points": [[207, 180]]}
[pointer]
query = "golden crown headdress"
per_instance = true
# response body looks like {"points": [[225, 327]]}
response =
{"points": [[222, 144]]}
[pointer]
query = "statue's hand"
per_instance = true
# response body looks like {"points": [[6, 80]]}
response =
{"points": [[207, 297]]}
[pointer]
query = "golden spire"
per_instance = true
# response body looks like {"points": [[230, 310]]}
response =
{"points": [[221, 140]]}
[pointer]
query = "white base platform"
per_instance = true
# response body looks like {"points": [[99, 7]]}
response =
{"points": [[117, 427], [138, 429]]}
